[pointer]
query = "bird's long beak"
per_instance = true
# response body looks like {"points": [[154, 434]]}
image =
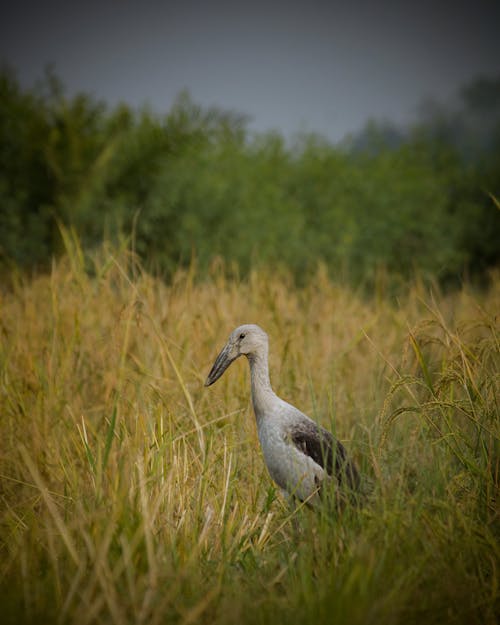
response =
{"points": [[222, 362]]}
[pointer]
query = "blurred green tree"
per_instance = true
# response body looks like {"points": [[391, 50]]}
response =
{"points": [[196, 183]]}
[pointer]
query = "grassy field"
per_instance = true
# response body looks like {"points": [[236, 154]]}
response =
{"points": [[132, 494]]}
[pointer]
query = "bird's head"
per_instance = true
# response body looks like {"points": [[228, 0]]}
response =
{"points": [[248, 340]]}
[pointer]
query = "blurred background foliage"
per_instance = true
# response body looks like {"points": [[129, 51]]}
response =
{"points": [[194, 183]]}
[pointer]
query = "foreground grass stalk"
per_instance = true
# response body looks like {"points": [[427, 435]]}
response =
{"points": [[56, 517]]}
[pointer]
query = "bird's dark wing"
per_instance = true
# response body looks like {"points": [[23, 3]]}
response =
{"points": [[325, 450]]}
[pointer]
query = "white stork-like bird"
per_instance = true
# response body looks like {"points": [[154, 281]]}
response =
{"points": [[300, 455]]}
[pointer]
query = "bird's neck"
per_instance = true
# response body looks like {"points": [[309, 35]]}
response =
{"points": [[262, 393]]}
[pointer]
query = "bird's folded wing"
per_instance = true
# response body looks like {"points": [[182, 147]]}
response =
{"points": [[325, 450]]}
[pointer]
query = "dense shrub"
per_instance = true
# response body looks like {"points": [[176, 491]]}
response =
{"points": [[194, 182]]}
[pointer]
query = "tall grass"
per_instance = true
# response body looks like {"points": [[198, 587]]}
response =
{"points": [[132, 494]]}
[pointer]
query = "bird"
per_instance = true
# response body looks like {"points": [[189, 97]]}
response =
{"points": [[301, 456]]}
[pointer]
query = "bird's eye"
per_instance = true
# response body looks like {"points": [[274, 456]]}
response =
{"points": [[242, 335]]}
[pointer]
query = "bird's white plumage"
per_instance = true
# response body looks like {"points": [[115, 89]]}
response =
{"points": [[292, 470]]}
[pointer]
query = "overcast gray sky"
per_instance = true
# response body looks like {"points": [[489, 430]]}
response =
{"points": [[293, 66]]}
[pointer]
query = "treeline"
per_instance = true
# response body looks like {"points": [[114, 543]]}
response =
{"points": [[196, 183]]}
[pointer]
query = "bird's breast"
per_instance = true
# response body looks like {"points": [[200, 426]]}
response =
{"points": [[291, 469]]}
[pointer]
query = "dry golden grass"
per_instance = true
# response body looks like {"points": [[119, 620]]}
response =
{"points": [[132, 494]]}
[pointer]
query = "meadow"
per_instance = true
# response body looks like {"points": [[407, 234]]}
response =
{"points": [[132, 494]]}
